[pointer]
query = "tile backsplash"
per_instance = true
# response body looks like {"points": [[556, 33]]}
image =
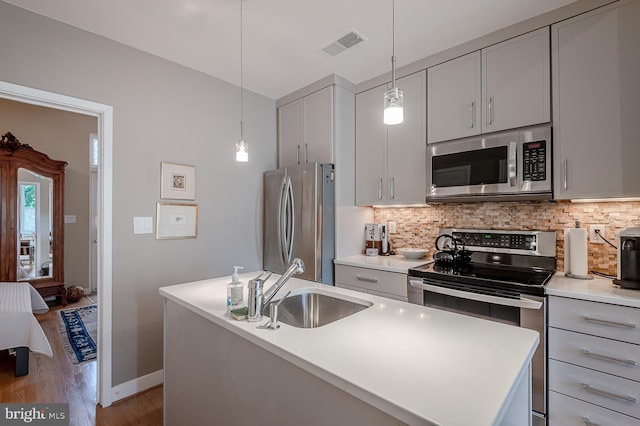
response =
{"points": [[418, 226]]}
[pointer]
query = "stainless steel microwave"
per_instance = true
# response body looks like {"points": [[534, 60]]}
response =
{"points": [[502, 166]]}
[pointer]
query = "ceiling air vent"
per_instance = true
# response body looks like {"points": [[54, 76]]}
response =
{"points": [[344, 42]]}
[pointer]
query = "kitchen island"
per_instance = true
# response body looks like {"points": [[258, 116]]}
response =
{"points": [[392, 363]]}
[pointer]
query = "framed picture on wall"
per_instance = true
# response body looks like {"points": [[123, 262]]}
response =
{"points": [[178, 182], [175, 220]]}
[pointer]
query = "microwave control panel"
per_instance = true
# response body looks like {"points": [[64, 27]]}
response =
{"points": [[534, 156]]}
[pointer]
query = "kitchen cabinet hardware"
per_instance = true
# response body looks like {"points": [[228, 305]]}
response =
{"points": [[608, 322], [628, 398], [298, 154], [380, 190], [564, 173], [473, 114], [608, 358], [366, 279], [392, 188], [588, 422], [490, 122]]}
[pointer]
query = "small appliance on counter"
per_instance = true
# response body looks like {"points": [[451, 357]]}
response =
{"points": [[373, 238], [629, 259]]}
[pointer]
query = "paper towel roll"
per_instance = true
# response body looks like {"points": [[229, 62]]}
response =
{"points": [[578, 258]]}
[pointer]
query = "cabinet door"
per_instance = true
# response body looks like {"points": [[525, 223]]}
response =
{"points": [[516, 86], [596, 104], [290, 133], [453, 101], [371, 137], [407, 145], [318, 127]]}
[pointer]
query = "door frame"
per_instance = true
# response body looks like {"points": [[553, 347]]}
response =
{"points": [[104, 114]]}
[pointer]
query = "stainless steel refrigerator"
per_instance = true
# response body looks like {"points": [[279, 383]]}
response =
{"points": [[299, 220]]}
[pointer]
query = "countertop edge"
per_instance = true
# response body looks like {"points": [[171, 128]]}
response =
{"points": [[596, 290]]}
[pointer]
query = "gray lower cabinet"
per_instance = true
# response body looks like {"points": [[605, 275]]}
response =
{"points": [[391, 160], [594, 363], [596, 103], [373, 281]]}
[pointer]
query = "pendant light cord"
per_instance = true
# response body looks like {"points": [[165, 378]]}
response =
{"points": [[241, 81], [393, 43]]}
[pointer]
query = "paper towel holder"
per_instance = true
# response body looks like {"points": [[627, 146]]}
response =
{"points": [[566, 259]]}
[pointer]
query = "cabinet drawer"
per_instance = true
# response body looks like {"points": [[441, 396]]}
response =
{"points": [[567, 411], [373, 279], [609, 356], [598, 388], [598, 319]]}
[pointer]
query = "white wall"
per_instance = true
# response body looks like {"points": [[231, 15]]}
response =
{"points": [[162, 112]]}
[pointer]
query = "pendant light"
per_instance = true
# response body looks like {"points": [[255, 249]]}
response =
{"points": [[242, 149], [394, 97]]}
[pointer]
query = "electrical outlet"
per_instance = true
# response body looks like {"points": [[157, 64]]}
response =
{"points": [[593, 236], [393, 227]]}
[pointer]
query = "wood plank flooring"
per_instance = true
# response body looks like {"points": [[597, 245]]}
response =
{"points": [[58, 380]]}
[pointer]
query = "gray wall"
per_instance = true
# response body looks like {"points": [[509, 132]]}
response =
{"points": [[62, 136], [162, 112]]}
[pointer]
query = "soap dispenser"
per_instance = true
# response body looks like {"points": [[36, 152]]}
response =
{"points": [[235, 295]]}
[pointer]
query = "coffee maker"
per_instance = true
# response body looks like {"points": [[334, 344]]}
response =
{"points": [[629, 259]]}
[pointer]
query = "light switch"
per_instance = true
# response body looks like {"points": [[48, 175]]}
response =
{"points": [[69, 218], [143, 225]]}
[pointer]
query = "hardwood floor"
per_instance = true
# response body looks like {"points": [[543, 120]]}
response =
{"points": [[57, 380]]}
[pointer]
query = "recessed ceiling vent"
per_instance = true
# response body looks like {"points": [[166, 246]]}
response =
{"points": [[344, 43]]}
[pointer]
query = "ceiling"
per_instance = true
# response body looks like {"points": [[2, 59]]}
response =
{"points": [[283, 39]]}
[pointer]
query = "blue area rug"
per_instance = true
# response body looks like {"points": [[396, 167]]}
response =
{"points": [[79, 329]]}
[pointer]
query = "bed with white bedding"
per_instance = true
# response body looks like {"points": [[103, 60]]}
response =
{"points": [[19, 328]]}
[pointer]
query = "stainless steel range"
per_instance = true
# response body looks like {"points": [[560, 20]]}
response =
{"points": [[496, 275]]}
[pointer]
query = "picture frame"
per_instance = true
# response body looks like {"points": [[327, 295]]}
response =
{"points": [[175, 220], [177, 182]]}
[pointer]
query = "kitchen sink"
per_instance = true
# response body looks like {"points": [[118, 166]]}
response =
{"points": [[312, 308]]}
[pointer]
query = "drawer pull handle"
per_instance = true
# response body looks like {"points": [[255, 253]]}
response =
{"points": [[366, 279], [590, 354], [588, 422], [627, 398], [607, 322]]}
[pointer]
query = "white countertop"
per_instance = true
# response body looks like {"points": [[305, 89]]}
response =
{"points": [[395, 263], [596, 290], [417, 364]]}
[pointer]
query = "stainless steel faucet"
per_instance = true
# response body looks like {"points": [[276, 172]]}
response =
{"points": [[296, 267], [257, 300]]}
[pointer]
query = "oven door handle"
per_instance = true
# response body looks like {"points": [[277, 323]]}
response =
{"points": [[516, 303]]}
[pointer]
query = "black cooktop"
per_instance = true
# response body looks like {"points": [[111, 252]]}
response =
{"points": [[529, 280]]}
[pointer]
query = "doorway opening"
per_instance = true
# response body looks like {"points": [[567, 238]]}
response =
{"points": [[104, 172]]}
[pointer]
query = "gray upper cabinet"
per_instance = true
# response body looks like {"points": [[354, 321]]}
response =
{"points": [[391, 160], [516, 86], [503, 86], [596, 103], [453, 99], [305, 129]]}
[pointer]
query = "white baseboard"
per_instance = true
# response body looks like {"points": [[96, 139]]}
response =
{"points": [[135, 386]]}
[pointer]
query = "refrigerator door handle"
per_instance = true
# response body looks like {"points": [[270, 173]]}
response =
{"points": [[281, 220], [291, 220]]}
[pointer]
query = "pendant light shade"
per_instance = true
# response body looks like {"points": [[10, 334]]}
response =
{"points": [[393, 106], [394, 97], [242, 154], [242, 148]]}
